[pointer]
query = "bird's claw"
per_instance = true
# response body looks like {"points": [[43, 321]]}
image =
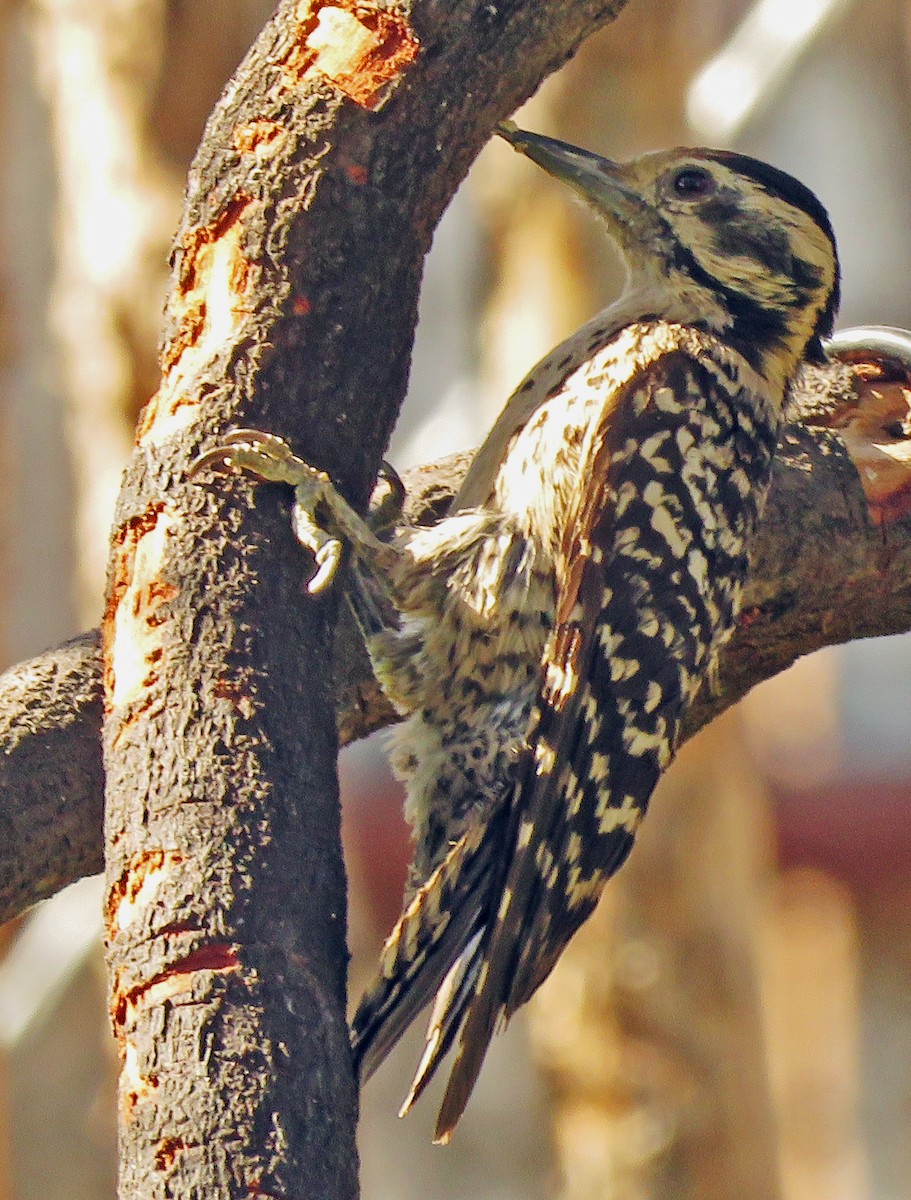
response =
{"points": [[326, 549], [271, 458], [263, 454], [386, 510]]}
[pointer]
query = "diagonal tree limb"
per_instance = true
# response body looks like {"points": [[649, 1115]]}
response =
{"points": [[826, 570]]}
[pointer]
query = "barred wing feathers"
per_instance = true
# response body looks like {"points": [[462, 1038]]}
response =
{"points": [[621, 664]]}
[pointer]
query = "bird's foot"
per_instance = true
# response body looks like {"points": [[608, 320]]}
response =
{"points": [[271, 458]]}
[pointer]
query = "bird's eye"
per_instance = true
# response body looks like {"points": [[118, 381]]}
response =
{"points": [[692, 182]]}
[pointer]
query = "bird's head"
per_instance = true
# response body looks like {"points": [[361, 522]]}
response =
{"points": [[713, 239]]}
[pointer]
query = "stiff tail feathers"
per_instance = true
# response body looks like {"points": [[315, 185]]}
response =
{"points": [[488, 1001], [446, 1016], [439, 926]]}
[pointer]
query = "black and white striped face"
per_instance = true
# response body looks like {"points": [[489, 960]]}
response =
{"points": [[752, 238], [713, 239]]}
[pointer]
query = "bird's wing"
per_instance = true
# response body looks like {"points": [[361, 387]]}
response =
{"points": [[607, 714], [544, 379]]}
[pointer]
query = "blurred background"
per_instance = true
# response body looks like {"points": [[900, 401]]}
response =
{"points": [[736, 1020]]}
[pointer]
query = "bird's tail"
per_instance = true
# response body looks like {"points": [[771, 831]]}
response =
{"points": [[434, 951]]}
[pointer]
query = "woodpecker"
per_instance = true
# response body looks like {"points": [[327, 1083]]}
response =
{"points": [[552, 630]]}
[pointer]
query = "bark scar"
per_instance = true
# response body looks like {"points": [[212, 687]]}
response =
{"points": [[168, 1151], [876, 431], [134, 626], [218, 957], [262, 137], [209, 306], [356, 46], [126, 1004], [137, 887], [134, 1087]]}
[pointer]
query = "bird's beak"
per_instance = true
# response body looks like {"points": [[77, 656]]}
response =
{"points": [[599, 181]]}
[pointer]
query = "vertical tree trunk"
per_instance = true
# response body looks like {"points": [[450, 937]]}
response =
{"points": [[226, 907], [294, 293]]}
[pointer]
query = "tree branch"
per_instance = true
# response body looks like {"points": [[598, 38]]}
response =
{"points": [[51, 775], [826, 569]]}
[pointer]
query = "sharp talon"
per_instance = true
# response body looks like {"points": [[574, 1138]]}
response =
{"points": [[255, 439], [210, 458], [262, 454], [327, 558], [247, 449], [270, 458], [397, 490], [385, 512], [248, 435]]}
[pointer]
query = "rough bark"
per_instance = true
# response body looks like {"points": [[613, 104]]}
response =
{"points": [[51, 775], [311, 203]]}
